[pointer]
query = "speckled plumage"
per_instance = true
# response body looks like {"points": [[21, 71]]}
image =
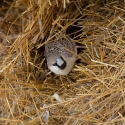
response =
{"points": [[54, 50]]}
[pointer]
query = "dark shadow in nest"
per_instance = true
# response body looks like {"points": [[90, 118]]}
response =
{"points": [[38, 55], [5, 4], [75, 31]]}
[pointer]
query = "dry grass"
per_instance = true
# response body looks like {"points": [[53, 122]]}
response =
{"points": [[93, 93]]}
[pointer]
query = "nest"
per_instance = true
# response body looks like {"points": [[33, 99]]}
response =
{"points": [[93, 93]]}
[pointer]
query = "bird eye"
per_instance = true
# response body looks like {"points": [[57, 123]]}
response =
{"points": [[55, 64], [61, 63]]}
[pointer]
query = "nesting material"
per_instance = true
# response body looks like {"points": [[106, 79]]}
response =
{"points": [[93, 93]]}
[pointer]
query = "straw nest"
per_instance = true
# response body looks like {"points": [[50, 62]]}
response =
{"points": [[93, 93]]}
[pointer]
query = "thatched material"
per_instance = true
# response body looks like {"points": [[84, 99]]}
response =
{"points": [[93, 93]]}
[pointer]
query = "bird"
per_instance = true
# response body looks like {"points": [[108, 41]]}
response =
{"points": [[61, 55]]}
